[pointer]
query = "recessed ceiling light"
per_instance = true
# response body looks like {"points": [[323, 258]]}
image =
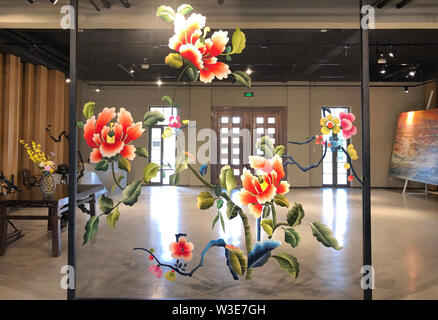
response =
{"points": [[412, 73], [324, 30], [159, 83], [97, 89], [383, 70], [406, 89], [248, 71], [67, 80]]}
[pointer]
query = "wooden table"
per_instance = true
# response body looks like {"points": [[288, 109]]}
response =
{"points": [[58, 204]]}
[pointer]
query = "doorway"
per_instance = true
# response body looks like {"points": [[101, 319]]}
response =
{"points": [[334, 173], [162, 151], [228, 123]]}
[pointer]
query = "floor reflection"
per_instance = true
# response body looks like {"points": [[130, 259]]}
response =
{"points": [[164, 211], [335, 212]]}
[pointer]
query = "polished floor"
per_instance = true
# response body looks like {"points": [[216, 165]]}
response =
{"points": [[404, 237]]}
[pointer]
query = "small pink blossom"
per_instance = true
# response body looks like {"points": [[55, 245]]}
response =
{"points": [[174, 122], [156, 271], [47, 168], [348, 128]]}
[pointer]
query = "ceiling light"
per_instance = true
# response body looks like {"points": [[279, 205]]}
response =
{"points": [[412, 73], [97, 89], [53, 1], [383, 70], [159, 83], [391, 53], [406, 89], [132, 70], [382, 59], [324, 30], [248, 71], [67, 80]]}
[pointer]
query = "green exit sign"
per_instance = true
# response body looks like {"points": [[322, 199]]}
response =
{"points": [[248, 94]]}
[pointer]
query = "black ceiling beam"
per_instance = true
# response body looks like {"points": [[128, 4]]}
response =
{"points": [[403, 3]]}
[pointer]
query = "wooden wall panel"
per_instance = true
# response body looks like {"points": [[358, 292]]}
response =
{"points": [[1, 106], [11, 115], [28, 115], [55, 112], [40, 112]]}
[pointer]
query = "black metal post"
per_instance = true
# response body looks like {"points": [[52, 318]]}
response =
{"points": [[72, 155], [366, 188]]}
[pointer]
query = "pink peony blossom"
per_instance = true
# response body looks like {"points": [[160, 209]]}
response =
{"points": [[156, 271], [348, 129]]}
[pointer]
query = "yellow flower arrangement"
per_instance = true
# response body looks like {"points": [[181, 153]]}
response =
{"points": [[352, 152], [330, 124], [45, 164]]}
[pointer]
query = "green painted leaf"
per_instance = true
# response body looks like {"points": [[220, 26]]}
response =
{"points": [[219, 203], [218, 190], [243, 78], [80, 124], [151, 118], [167, 99], [268, 226], [166, 13], [88, 110], [181, 167], [205, 200], [232, 210], [227, 179], [228, 58], [279, 150], [323, 234], [91, 229], [106, 204], [266, 211], [124, 164], [295, 215], [150, 171], [192, 73], [142, 152], [112, 218], [131, 193], [238, 260], [215, 220], [174, 60], [184, 9], [222, 222], [174, 179], [292, 237], [101, 166], [281, 200], [239, 41], [288, 263]]}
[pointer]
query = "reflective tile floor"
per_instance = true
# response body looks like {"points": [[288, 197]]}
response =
{"points": [[404, 237]]}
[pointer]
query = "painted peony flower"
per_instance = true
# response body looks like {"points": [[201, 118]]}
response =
{"points": [[174, 122], [182, 249], [110, 140], [348, 129], [258, 190], [156, 271], [201, 54]]}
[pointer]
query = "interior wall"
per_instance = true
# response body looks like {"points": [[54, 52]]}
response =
{"points": [[304, 104], [31, 97]]}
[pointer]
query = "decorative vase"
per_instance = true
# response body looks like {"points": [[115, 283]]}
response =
{"points": [[48, 185]]}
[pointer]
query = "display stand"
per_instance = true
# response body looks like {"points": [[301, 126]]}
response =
{"points": [[407, 180]]}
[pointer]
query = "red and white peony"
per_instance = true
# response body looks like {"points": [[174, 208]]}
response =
{"points": [[109, 139]]}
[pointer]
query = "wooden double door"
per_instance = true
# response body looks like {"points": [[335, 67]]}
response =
{"points": [[234, 144]]}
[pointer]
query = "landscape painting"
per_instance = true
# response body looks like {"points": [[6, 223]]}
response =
{"points": [[415, 154]]}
